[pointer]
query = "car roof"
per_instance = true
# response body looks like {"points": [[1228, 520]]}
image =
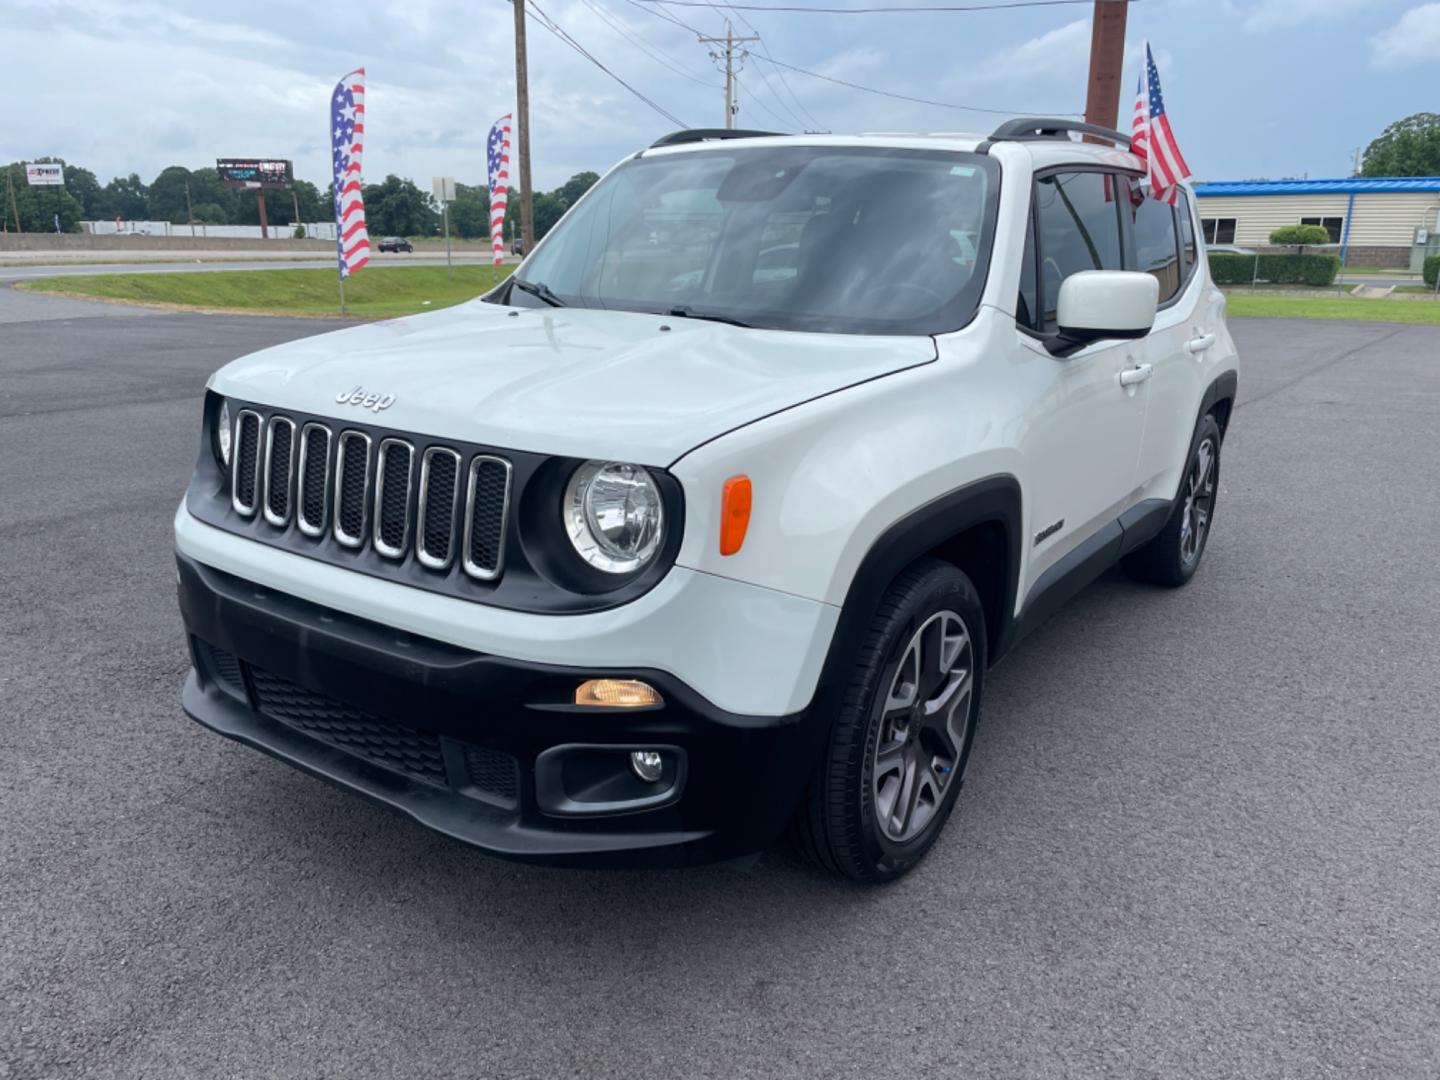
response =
{"points": [[1044, 153]]}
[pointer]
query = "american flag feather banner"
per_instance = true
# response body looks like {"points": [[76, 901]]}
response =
{"points": [[497, 152], [1153, 139], [347, 142]]}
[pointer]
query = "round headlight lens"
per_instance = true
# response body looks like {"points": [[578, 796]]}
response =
{"points": [[614, 515], [223, 433]]}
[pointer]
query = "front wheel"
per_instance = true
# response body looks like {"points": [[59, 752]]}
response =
{"points": [[897, 752]]}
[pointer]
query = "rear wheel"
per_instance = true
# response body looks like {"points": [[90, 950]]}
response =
{"points": [[897, 752], [1173, 556]]}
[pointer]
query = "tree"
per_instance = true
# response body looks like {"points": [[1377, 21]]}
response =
{"points": [[398, 208], [38, 206], [1297, 236], [124, 198], [1409, 147], [84, 188], [165, 198], [470, 212], [576, 186]]}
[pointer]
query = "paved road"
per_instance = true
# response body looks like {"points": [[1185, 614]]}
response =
{"points": [[1199, 836]]}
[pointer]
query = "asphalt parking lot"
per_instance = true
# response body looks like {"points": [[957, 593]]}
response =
{"points": [[1200, 834]]}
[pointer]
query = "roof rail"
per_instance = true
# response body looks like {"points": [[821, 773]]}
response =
{"points": [[689, 135], [1034, 129]]}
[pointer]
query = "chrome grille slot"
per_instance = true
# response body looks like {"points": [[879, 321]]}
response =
{"points": [[279, 469], [487, 506], [435, 532], [245, 464], [352, 487], [392, 497], [313, 473]]}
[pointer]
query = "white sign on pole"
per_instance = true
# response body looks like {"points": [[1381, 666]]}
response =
{"points": [[41, 175], [444, 188]]}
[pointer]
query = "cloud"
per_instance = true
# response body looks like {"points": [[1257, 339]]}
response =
{"points": [[1277, 14], [1415, 39]]}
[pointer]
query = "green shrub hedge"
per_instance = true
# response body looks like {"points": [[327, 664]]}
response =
{"points": [[1432, 270], [1300, 235], [1319, 270]]}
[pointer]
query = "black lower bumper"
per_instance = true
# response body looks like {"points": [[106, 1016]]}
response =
{"points": [[491, 751]]}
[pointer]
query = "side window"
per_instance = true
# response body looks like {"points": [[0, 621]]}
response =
{"points": [[1218, 230], [1079, 218], [1187, 234], [1157, 250], [1026, 308], [1333, 225]]}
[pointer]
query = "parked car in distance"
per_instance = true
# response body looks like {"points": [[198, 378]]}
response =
{"points": [[396, 243], [1228, 249], [710, 520], [517, 245]]}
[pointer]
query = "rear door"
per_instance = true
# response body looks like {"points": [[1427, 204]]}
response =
{"points": [[1083, 438], [1163, 244]]}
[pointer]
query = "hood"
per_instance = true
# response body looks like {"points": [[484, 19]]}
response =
{"points": [[566, 381]]}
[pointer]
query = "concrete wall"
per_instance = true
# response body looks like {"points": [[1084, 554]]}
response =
{"points": [[87, 242]]}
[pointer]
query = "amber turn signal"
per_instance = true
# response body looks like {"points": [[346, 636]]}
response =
{"points": [[734, 514], [617, 694]]}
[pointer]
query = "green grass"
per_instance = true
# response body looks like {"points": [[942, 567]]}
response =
{"points": [[1260, 305], [375, 292]]}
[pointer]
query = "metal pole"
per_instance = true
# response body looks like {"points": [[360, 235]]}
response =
{"points": [[342, 294], [1107, 62], [445, 214]]}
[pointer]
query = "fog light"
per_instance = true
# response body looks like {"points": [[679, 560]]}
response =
{"points": [[617, 693], [647, 764]]}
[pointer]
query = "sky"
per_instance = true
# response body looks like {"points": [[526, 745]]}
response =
{"points": [[1262, 88]]}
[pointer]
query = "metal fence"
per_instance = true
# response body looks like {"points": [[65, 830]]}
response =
{"points": [[320, 230]]}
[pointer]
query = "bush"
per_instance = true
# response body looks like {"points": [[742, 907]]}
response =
{"points": [[1432, 270], [1319, 270], [299, 233], [1300, 235]]}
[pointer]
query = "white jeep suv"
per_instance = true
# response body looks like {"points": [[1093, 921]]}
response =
{"points": [[713, 516]]}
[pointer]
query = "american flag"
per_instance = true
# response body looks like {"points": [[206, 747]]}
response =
{"points": [[497, 151], [347, 138], [1152, 138]]}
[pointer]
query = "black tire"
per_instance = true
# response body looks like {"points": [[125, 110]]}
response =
{"points": [[838, 824], [1173, 555]]}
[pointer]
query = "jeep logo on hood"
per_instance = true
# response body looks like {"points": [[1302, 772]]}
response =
{"points": [[365, 399]]}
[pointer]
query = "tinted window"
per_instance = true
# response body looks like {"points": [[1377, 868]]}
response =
{"points": [[1333, 225], [1157, 251], [1187, 233], [1218, 230], [849, 240], [1079, 230]]}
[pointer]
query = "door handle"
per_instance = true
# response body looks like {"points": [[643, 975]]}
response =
{"points": [[1197, 345], [1138, 374]]}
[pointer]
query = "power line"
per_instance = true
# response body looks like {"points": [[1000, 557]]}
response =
{"points": [[755, 99], [880, 10], [659, 58], [765, 51], [550, 24], [779, 99], [907, 97]]}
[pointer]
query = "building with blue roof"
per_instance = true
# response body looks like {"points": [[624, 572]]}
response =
{"points": [[1392, 221]]}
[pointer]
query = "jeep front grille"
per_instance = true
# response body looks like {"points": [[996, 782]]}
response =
{"points": [[245, 476], [279, 469], [402, 498]]}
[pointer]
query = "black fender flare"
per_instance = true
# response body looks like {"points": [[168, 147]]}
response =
{"points": [[992, 499]]}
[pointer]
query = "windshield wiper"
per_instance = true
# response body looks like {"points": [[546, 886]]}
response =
{"points": [[683, 312], [539, 289]]}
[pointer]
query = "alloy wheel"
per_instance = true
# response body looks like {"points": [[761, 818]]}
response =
{"points": [[1199, 502], [924, 717]]}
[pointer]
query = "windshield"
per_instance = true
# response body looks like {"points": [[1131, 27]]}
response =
{"points": [[847, 240]]}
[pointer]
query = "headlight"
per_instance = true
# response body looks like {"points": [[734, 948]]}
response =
{"points": [[614, 516], [223, 433]]}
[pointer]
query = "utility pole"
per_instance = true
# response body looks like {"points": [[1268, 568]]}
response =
{"points": [[1107, 62], [522, 129], [14, 210], [189, 210], [264, 226], [729, 56], [295, 201]]}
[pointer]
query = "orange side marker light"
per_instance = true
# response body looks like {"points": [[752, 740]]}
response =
{"points": [[734, 514]]}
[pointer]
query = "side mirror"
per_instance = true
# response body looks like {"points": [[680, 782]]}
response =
{"points": [[1097, 305]]}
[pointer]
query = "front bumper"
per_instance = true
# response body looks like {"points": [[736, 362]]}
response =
{"points": [[489, 750]]}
